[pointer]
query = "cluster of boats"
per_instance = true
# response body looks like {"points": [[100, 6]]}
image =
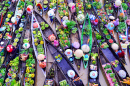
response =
{"points": [[85, 33]]}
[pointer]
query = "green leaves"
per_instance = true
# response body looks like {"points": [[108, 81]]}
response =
{"points": [[70, 24], [43, 25], [88, 6], [29, 3], [98, 36], [74, 30], [124, 5], [98, 5], [109, 71], [25, 41], [121, 26]]}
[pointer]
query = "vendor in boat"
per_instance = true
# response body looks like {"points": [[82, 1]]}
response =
{"points": [[42, 61], [126, 81]]}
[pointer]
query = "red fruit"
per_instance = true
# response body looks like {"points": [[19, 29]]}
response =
{"points": [[110, 41], [35, 25], [9, 48], [42, 64]]}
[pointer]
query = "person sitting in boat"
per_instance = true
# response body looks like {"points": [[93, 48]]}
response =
{"points": [[126, 81]]}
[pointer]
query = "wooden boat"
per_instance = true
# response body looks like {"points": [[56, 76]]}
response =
{"points": [[127, 15], [3, 71], [31, 66], [86, 40], [72, 44], [14, 44], [80, 11], [6, 35], [3, 44], [3, 14], [30, 6], [100, 11], [47, 31], [4, 6], [65, 47], [4, 20], [122, 30], [66, 69], [117, 11], [38, 44], [19, 11], [111, 57], [64, 40], [24, 46], [93, 66], [62, 45], [75, 44], [39, 7], [108, 71], [7, 17], [126, 8], [108, 34], [52, 9], [92, 14], [12, 75], [77, 11], [45, 6], [27, 63], [120, 50], [109, 7], [63, 10], [104, 16], [116, 50], [111, 41], [56, 77]]}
